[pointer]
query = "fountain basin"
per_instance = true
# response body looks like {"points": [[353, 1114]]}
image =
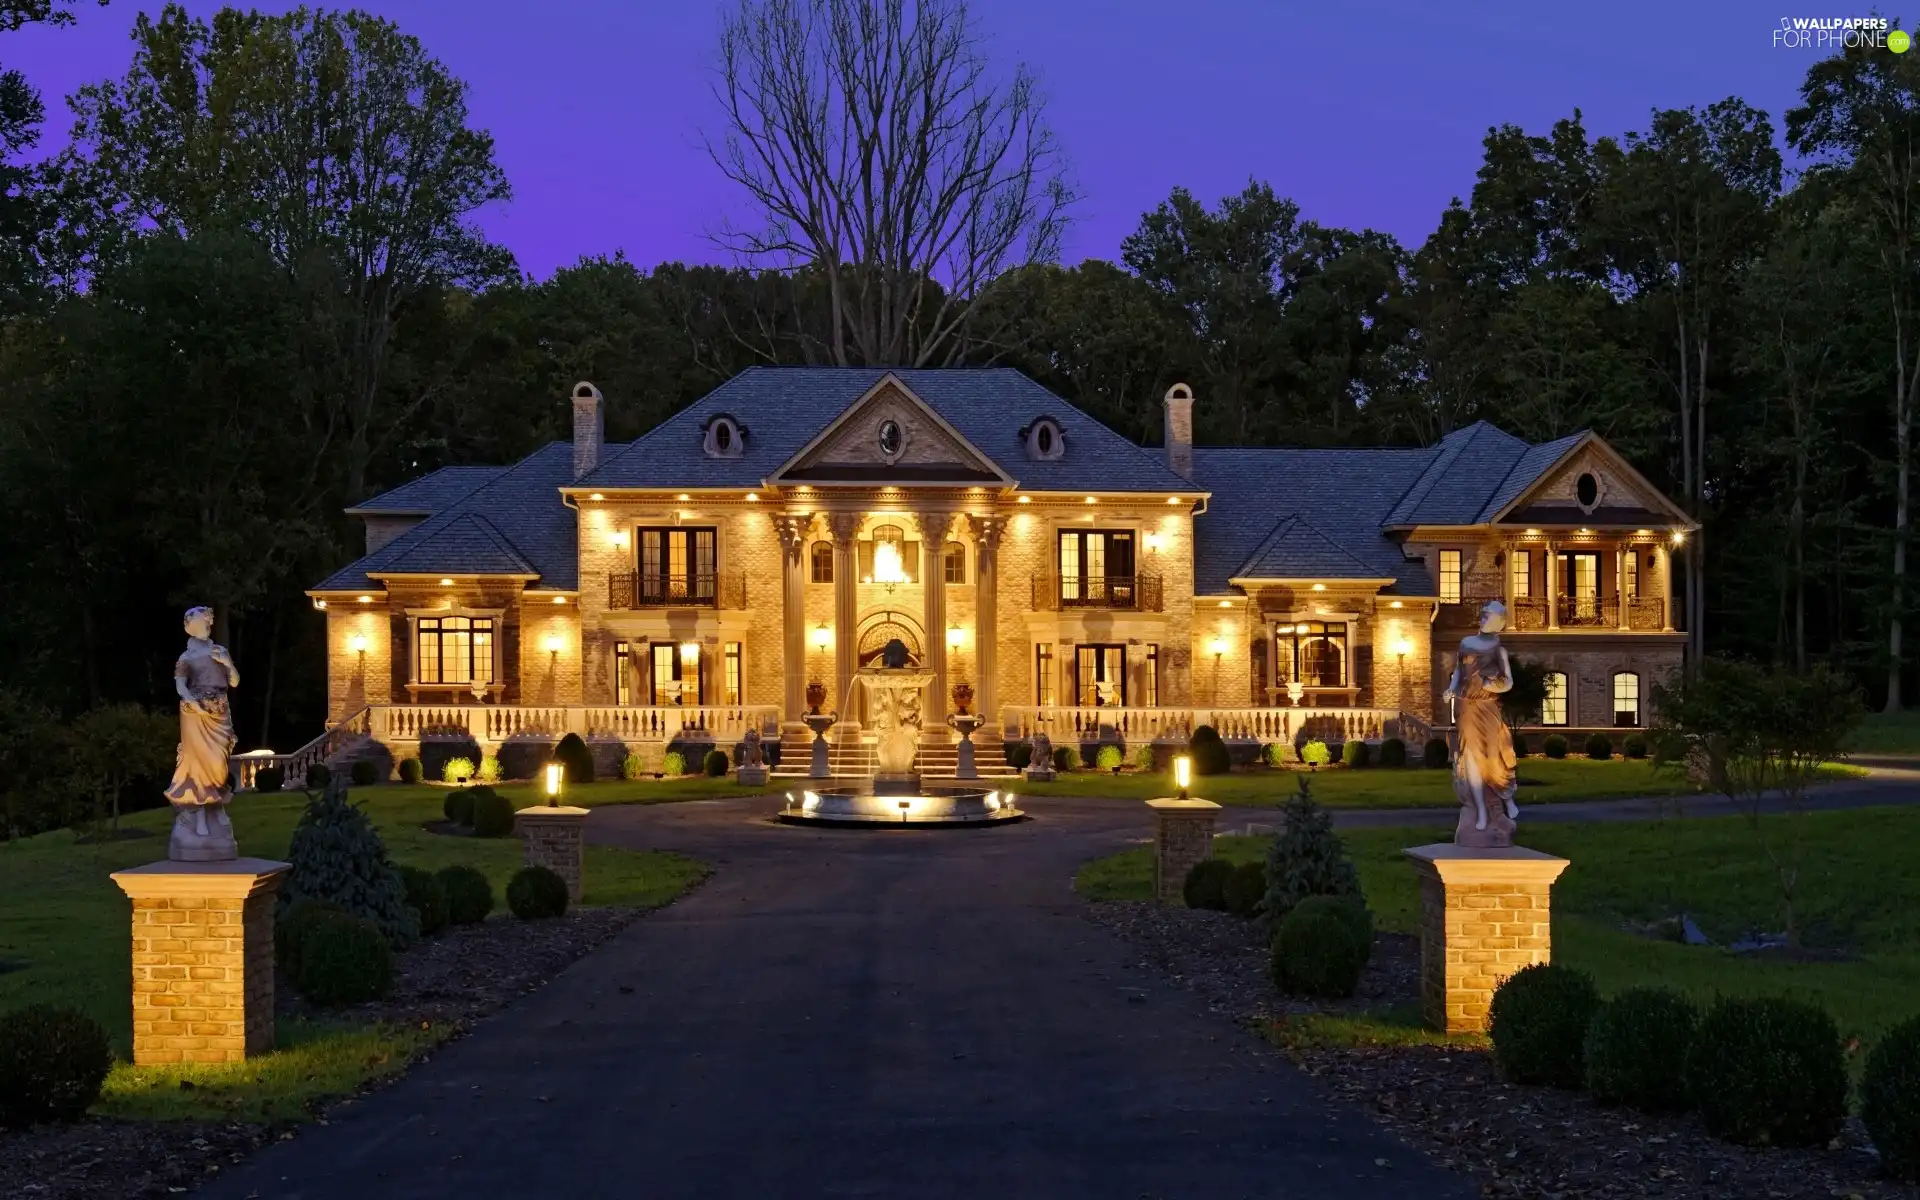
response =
{"points": [[930, 808]]}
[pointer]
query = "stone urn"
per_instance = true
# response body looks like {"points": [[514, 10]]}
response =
{"points": [[964, 723], [963, 697], [816, 696], [819, 723]]}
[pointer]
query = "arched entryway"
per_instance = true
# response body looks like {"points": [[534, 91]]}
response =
{"points": [[879, 628]]}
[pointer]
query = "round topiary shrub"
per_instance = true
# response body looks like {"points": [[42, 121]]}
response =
{"points": [[1634, 746], [344, 960], [715, 763], [492, 813], [1143, 756], [1316, 754], [1599, 746], [573, 754], [490, 770], [1434, 753], [1768, 1071], [1352, 910], [1538, 1023], [634, 767], [536, 894], [291, 926], [1209, 753], [363, 773], [1520, 747], [1316, 952], [1890, 1100], [1066, 758], [1637, 1048], [52, 1063], [469, 895], [1356, 753], [319, 775], [1019, 754], [269, 779], [1246, 887], [411, 771], [458, 806], [1554, 746], [1109, 757], [1206, 884], [1393, 753], [458, 770], [428, 898], [675, 764]]}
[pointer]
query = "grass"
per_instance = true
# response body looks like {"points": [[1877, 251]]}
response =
{"points": [[1888, 733], [588, 795], [63, 922], [1542, 781], [1859, 898]]}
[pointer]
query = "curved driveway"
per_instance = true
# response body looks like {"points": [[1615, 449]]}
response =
{"points": [[898, 1013]]}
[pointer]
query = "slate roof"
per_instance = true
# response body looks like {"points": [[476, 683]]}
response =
{"points": [[1473, 473], [784, 408], [1296, 550], [467, 543], [430, 493]]}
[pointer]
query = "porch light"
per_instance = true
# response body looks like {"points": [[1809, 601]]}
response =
{"points": [[1319, 587], [552, 644], [684, 497], [1153, 543], [446, 583], [955, 636], [754, 496], [822, 636], [1091, 500], [319, 605], [689, 652], [596, 496], [1396, 604], [1173, 499], [358, 643], [555, 773], [1026, 499], [1533, 533], [1679, 535], [365, 599], [1217, 647], [1182, 773], [559, 599], [1226, 604], [1402, 647], [617, 540]]}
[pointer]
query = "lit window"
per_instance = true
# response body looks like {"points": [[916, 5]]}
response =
{"points": [[822, 562], [733, 673], [956, 563], [1151, 680], [1553, 710], [1043, 674], [1522, 574], [455, 650], [1630, 586], [1312, 653], [622, 680], [1449, 577], [676, 675], [1626, 699]]}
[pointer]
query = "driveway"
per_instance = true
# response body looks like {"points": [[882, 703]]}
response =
{"points": [[897, 1013]]}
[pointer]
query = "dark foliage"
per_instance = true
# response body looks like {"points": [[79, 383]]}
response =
{"points": [[1210, 756], [1019, 755], [572, 753], [52, 1063], [428, 898], [1520, 747], [714, 764], [536, 894], [1393, 753], [1245, 889], [1306, 859], [1890, 1100], [1554, 745], [1634, 745], [338, 856], [1637, 1047], [291, 927], [319, 775], [411, 771], [1317, 950], [1206, 884], [492, 813], [458, 806], [1355, 753], [1434, 753], [469, 895], [1769, 1071], [1599, 746], [269, 779], [1539, 1022], [364, 773], [344, 960]]}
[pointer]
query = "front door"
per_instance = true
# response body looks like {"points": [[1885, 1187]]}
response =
{"points": [[1579, 589], [676, 676], [1101, 673]]}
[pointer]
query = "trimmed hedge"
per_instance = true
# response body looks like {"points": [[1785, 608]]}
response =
{"points": [[1143, 757], [363, 773], [1019, 754], [269, 779], [1538, 1024], [1520, 748], [1109, 757], [1317, 949], [1634, 745], [458, 806], [428, 898], [292, 925], [319, 775], [344, 960], [1554, 745], [492, 813], [572, 753], [1890, 1100], [715, 763], [1245, 888], [52, 1063], [458, 769], [1209, 753], [674, 765], [536, 894], [1065, 758], [1599, 746], [1769, 1071], [411, 771], [1356, 753], [1393, 753], [1434, 753], [1206, 884], [469, 895], [1637, 1047], [634, 767], [1315, 754]]}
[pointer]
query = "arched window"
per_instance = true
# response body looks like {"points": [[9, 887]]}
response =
{"points": [[956, 563], [1553, 709], [1626, 699], [822, 556]]}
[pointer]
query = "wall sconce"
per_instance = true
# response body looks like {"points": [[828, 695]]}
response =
{"points": [[358, 644], [446, 583], [319, 605], [956, 636], [1402, 647], [364, 599], [1679, 536], [1182, 774], [1217, 647], [822, 636], [1153, 543], [555, 773], [618, 539], [552, 644], [1319, 587]]}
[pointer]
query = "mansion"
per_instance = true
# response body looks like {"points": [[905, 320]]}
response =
{"points": [[748, 556]]}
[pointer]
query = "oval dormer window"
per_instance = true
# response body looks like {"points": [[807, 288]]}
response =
{"points": [[891, 438], [1045, 439], [1586, 490], [724, 437]]}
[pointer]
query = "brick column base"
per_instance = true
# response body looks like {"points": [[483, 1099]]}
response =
{"points": [[554, 840], [1182, 837], [1484, 914], [202, 959]]}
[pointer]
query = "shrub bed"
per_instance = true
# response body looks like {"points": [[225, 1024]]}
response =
{"points": [[714, 764], [469, 895], [1210, 756], [1768, 1071], [1245, 888], [411, 771], [675, 764], [1206, 884], [1554, 746], [1890, 1100], [1637, 1049], [1019, 754], [1393, 753], [428, 898], [572, 753], [1634, 745], [1065, 758], [52, 1063], [1356, 753], [1317, 950], [458, 806], [492, 813], [344, 960], [1109, 757], [536, 894], [1538, 1024], [1599, 746]]}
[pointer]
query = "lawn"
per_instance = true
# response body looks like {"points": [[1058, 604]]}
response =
{"points": [[1888, 733], [1542, 781], [1859, 899], [63, 923]]}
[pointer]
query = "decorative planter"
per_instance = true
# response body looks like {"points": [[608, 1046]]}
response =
{"points": [[816, 696], [962, 698]]}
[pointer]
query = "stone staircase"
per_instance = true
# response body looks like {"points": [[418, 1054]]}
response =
{"points": [[855, 759]]}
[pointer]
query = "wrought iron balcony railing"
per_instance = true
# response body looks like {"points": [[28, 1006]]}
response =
{"points": [[1054, 592], [633, 589]]}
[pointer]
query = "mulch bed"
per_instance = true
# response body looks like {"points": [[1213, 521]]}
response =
{"points": [[1451, 1103], [457, 978]]}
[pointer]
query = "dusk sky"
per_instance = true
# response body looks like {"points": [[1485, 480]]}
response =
{"points": [[1367, 114]]}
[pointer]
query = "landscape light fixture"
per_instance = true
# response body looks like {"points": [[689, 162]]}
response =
{"points": [[555, 773], [1182, 774]]}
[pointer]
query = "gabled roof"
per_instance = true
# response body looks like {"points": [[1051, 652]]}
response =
{"points": [[466, 544], [788, 407], [429, 494], [814, 462], [1474, 473], [1296, 550]]}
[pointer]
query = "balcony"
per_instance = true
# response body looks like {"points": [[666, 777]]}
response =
{"points": [[1140, 593], [1528, 614], [631, 589]]}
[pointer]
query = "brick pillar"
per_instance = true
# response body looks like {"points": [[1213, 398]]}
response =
{"points": [[553, 837], [1484, 914], [202, 959], [1182, 837], [986, 616]]}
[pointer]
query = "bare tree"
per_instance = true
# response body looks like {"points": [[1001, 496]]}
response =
{"points": [[883, 154]]}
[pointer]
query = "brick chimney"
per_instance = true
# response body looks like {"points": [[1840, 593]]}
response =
{"points": [[1179, 430], [589, 428]]}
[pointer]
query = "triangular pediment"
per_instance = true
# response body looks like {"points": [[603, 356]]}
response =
{"points": [[890, 436], [1591, 484]]}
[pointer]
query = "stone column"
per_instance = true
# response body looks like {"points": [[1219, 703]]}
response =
{"points": [[987, 532], [1666, 588], [792, 528], [1620, 585], [1553, 588], [202, 959], [846, 615], [1182, 837], [934, 530], [554, 837], [1484, 914]]}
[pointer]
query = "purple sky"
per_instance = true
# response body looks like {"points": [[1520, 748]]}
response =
{"points": [[1366, 113]]}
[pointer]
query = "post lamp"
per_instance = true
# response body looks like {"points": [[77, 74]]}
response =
{"points": [[1182, 773], [556, 773]]}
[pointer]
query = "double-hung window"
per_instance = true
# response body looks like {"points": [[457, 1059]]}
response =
{"points": [[1096, 568], [677, 566], [455, 650]]}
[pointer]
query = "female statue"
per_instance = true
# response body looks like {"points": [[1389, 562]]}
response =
{"points": [[201, 789], [1483, 763]]}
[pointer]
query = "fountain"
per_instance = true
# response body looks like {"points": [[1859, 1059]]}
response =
{"points": [[897, 797]]}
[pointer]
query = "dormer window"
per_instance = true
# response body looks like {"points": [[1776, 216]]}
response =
{"points": [[1587, 491], [1045, 440], [892, 439], [724, 437]]}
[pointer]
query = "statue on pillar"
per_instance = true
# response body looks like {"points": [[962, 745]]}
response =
{"points": [[1483, 763], [201, 787]]}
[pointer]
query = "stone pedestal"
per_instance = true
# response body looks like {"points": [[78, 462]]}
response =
{"points": [[554, 837], [1040, 774], [751, 776], [202, 959], [820, 766], [1182, 837], [965, 765], [1484, 914]]}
